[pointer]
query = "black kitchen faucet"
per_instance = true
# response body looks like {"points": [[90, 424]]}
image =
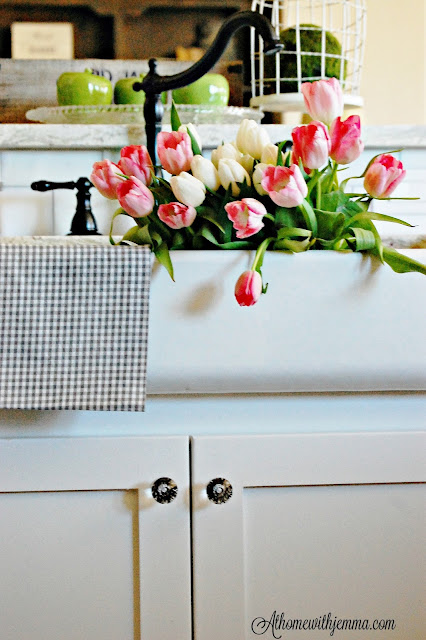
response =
{"points": [[153, 84]]}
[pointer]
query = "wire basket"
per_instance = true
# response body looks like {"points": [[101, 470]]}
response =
{"points": [[322, 39]]}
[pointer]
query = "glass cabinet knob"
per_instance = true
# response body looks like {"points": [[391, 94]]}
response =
{"points": [[219, 490], [164, 490]]}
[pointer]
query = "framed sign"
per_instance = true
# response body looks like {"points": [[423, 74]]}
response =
{"points": [[42, 40]]}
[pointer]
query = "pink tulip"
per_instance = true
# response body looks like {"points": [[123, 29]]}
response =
{"points": [[246, 216], [136, 161], [323, 99], [135, 198], [285, 185], [383, 176], [175, 151], [346, 144], [106, 179], [176, 215], [248, 288], [311, 144]]}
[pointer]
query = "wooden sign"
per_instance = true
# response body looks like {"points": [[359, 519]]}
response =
{"points": [[42, 40]]}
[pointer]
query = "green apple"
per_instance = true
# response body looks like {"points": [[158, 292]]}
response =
{"points": [[125, 94], [83, 88], [212, 88]]}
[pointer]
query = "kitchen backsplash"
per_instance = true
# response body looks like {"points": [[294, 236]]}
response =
{"points": [[26, 212]]}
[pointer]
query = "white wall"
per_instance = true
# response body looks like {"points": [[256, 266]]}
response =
{"points": [[393, 83]]}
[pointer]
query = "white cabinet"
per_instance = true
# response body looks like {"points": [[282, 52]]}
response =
{"points": [[317, 524], [328, 527], [85, 550]]}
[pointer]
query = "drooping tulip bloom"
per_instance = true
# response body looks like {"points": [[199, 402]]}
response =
{"points": [[323, 99], [176, 215], [188, 189], [311, 144], [204, 170], [136, 161], [231, 173], [248, 288], [227, 150], [105, 176], [346, 143], [383, 176], [246, 216], [285, 185], [175, 151], [252, 138], [135, 198]]}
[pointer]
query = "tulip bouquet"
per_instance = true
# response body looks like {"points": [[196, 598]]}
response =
{"points": [[256, 195]]}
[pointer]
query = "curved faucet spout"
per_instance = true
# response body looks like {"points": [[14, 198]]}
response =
{"points": [[153, 83]]}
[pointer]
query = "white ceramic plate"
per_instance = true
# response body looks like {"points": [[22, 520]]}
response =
{"points": [[133, 114]]}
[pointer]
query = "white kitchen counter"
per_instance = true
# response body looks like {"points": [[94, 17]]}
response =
{"points": [[100, 136]]}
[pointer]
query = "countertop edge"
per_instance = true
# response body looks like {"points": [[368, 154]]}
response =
{"points": [[100, 136]]}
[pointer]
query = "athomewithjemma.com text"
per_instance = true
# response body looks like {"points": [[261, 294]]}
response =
{"points": [[278, 623]]}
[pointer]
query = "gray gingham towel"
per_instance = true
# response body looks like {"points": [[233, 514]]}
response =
{"points": [[73, 327]]}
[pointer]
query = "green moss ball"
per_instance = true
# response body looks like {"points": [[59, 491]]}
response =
{"points": [[310, 40]]}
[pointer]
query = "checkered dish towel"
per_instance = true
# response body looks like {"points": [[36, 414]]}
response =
{"points": [[74, 327]]}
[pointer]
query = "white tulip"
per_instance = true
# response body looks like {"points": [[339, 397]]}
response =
{"points": [[187, 189], [247, 162], [270, 154], [190, 128], [205, 171], [257, 178], [252, 138], [230, 173], [227, 150]]}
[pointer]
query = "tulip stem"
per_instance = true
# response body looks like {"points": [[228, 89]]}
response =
{"points": [[313, 181], [260, 254], [333, 177], [318, 203]]}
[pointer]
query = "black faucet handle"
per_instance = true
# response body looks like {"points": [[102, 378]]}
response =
{"points": [[48, 185], [83, 223]]}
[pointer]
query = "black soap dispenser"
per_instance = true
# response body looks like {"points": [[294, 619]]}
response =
{"points": [[83, 222]]}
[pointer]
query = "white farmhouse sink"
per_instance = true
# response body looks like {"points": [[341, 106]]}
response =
{"points": [[328, 322]]}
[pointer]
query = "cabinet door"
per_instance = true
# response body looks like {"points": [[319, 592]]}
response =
{"points": [[323, 535], [85, 550]]}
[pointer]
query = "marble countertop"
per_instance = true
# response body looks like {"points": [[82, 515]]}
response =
{"points": [[100, 136]]}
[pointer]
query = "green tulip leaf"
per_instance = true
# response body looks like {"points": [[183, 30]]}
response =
{"points": [[280, 158], [310, 217], [174, 118], [157, 226], [330, 224], [370, 215], [236, 244], [163, 256], [293, 232], [288, 217], [207, 213], [363, 239], [118, 212], [400, 263], [194, 144], [138, 235], [178, 241], [295, 246]]}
